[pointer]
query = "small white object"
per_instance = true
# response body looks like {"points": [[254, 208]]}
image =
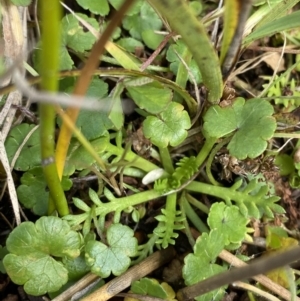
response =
{"points": [[152, 176]]}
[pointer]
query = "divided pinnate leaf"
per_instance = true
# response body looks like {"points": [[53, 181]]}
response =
{"points": [[31, 246], [251, 122], [169, 127], [114, 258], [256, 199]]}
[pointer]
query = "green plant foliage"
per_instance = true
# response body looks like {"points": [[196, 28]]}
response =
{"points": [[284, 23], [79, 158], [21, 2], [294, 178], [132, 11], [130, 44], [32, 192], [93, 124], [152, 97], [142, 24], [257, 201], [169, 127], [229, 220], [96, 7], [280, 84], [248, 198], [48, 254], [186, 168], [31, 246], [209, 246], [3, 252], [76, 267], [151, 287], [114, 258], [88, 216], [200, 265], [30, 155], [169, 221], [180, 49], [75, 37], [73, 34], [196, 7], [285, 164], [251, 122]]}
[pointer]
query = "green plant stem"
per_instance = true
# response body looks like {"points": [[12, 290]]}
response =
{"points": [[116, 205], [225, 193], [171, 203], [187, 228], [210, 160], [122, 203], [205, 150], [166, 159], [50, 16], [197, 204], [295, 135], [134, 159], [193, 217]]}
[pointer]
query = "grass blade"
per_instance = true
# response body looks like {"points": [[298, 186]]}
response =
{"points": [[194, 35]]}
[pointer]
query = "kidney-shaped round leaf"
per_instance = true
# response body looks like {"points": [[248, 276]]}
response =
{"points": [[49, 235], [209, 246], [30, 154], [153, 288], [114, 258], [97, 7], [38, 272], [73, 34], [252, 122], [169, 127], [150, 97], [196, 270], [79, 158], [31, 246], [229, 220]]}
